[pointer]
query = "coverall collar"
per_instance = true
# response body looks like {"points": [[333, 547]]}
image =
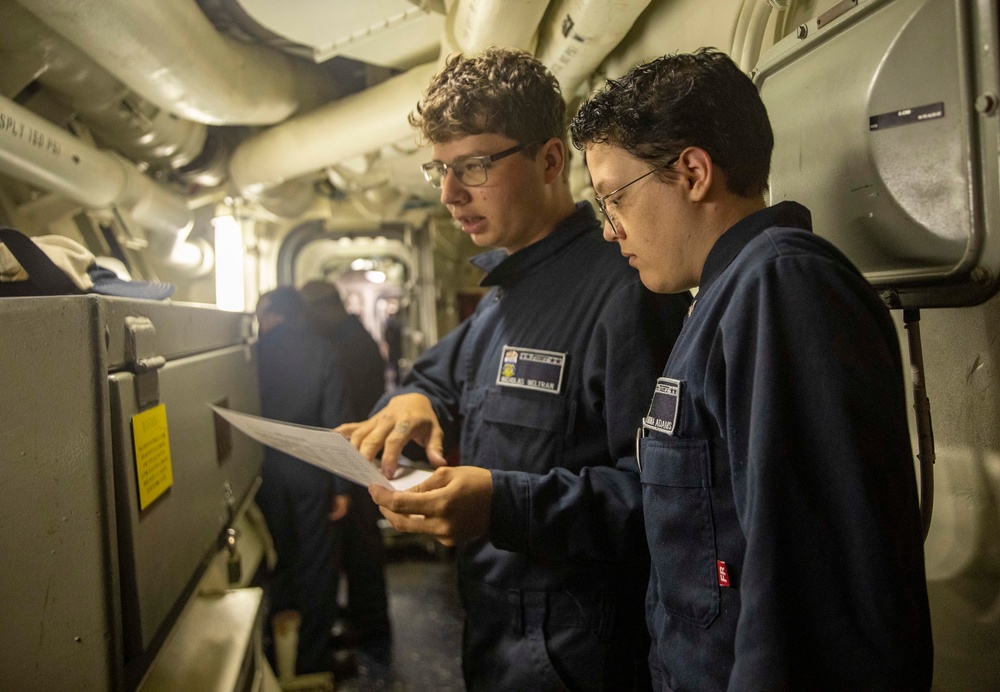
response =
{"points": [[732, 242]]}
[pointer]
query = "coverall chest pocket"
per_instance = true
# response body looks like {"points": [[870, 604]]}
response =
{"points": [[521, 430], [676, 480]]}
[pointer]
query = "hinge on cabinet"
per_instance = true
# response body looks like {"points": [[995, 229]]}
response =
{"points": [[141, 358]]}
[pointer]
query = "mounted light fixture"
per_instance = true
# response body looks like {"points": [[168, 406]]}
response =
{"points": [[229, 264]]}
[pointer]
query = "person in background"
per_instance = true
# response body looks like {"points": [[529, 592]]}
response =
{"points": [[778, 483], [366, 626], [301, 381], [393, 336], [538, 389]]}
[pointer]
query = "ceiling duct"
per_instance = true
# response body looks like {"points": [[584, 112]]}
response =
{"points": [[472, 26], [333, 133], [114, 114], [353, 125], [579, 34], [169, 53], [36, 151], [377, 117]]}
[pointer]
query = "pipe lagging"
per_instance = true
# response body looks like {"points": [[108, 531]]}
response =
{"points": [[353, 125], [168, 52], [580, 34], [38, 152]]}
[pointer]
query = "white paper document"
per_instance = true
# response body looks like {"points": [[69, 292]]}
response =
{"points": [[320, 447]]}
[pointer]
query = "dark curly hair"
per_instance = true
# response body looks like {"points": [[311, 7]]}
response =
{"points": [[697, 99], [499, 91]]}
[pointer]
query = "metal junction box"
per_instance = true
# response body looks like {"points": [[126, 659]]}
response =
{"points": [[886, 123], [101, 547]]}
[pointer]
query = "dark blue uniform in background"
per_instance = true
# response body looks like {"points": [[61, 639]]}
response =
{"points": [[300, 382], [778, 482], [363, 551], [548, 373]]}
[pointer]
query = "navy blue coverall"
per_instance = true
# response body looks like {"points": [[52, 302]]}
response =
{"points": [[300, 382], [363, 551], [778, 483], [546, 376]]}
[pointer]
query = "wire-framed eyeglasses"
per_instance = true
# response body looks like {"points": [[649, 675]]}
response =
{"points": [[470, 170], [602, 199]]}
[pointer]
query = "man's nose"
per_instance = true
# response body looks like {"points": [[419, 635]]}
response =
{"points": [[452, 189], [609, 232]]}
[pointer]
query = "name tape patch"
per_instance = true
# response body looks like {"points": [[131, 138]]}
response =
{"points": [[531, 368], [662, 415]]}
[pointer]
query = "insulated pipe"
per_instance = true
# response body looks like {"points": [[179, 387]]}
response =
{"points": [[353, 125], [333, 133], [581, 33], [36, 151], [472, 26], [114, 113], [754, 36], [169, 53], [740, 30]]}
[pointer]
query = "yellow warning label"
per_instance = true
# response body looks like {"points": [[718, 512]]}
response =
{"points": [[152, 454]]}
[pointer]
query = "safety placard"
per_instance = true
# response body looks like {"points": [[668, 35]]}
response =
{"points": [[153, 471]]}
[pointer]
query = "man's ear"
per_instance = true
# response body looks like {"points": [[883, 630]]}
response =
{"points": [[553, 156], [698, 171]]}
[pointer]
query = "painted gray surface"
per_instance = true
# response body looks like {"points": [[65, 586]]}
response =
{"points": [[913, 202], [63, 445], [962, 362]]}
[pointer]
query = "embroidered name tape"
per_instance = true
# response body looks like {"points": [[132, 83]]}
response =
{"points": [[530, 368], [662, 415]]}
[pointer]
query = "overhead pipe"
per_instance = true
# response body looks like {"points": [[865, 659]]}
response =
{"points": [[116, 115], [740, 30], [376, 117], [168, 52], [34, 150], [755, 31], [472, 26], [332, 133], [581, 33], [353, 125]]}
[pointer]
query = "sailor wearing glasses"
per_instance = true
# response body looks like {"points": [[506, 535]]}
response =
{"points": [[778, 486], [539, 389]]}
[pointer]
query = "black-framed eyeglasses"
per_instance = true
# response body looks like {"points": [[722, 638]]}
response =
{"points": [[602, 199], [470, 170]]}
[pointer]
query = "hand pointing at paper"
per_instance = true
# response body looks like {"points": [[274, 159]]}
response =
{"points": [[453, 505], [406, 417]]}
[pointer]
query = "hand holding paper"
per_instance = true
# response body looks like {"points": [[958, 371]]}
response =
{"points": [[406, 417], [320, 447], [452, 505]]}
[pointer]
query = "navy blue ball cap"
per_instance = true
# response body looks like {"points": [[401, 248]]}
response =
{"points": [[107, 283]]}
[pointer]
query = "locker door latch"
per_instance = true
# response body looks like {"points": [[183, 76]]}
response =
{"points": [[142, 359]]}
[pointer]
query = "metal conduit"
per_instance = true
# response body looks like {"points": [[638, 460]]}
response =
{"points": [[36, 151], [922, 411], [168, 52]]}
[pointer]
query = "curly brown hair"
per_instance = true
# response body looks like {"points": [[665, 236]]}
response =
{"points": [[697, 99], [499, 91]]}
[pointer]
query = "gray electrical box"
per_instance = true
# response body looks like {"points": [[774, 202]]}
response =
{"points": [[886, 127], [117, 480]]}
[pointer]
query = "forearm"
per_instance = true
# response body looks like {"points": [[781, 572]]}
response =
{"points": [[594, 515]]}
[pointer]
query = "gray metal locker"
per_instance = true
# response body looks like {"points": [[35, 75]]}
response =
{"points": [[91, 583]]}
